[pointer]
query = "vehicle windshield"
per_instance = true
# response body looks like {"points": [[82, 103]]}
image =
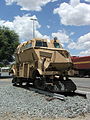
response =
{"points": [[41, 44], [28, 45], [56, 45]]}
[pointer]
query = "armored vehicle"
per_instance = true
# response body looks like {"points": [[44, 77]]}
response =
{"points": [[44, 64]]}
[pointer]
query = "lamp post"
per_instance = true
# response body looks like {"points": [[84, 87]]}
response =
{"points": [[33, 19]]}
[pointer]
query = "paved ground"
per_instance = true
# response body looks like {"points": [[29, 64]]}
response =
{"points": [[82, 83], [5, 81]]}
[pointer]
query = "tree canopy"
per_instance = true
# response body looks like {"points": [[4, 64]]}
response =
{"points": [[9, 40]]}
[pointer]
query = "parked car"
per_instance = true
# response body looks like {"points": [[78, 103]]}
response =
{"points": [[5, 72]]}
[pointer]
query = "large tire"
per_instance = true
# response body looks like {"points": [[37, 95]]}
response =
{"points": [[14, 81]]}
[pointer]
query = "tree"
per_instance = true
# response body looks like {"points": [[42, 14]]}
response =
{"points": [[9, 40]]}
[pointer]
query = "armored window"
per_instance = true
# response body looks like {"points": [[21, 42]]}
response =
{"points": [[38, 43], [28, 45], [41, 44], [44, 44], [56, 45]]}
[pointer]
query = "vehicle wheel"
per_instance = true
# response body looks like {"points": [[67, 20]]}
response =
{"points": [[14, 81], [39, 84], [14, 84], [20, 83]]}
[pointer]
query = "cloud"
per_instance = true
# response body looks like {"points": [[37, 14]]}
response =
{"points": [[72, 45], [87, 0], [74, 2], [35, 5], [72, 33], [62, 36], [23, 26], [54, 0], [48, 26], [85, 53], [82, 44], [74, 13]]}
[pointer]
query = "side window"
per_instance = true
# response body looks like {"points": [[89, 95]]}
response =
{"points": [[38, 43], [41, 44], [5, 70], [44, 44]]}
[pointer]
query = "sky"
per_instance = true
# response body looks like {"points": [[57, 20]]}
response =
{"points": [[68, 20]]}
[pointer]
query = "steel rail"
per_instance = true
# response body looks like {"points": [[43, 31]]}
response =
{"points": [[54, 95]]}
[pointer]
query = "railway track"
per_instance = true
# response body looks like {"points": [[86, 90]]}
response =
{"points": [[46, 93], [51, 96]]}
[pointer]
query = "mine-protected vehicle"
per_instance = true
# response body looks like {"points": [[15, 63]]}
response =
{"points": [[44, 64]]}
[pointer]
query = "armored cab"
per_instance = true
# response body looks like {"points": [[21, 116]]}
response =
{"points": [[43, 63]]}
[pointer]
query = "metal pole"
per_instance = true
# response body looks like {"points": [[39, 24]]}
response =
{"points": [[33, 19]]}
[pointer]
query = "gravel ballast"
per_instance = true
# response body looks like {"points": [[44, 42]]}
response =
{"points": [[20, 101]]}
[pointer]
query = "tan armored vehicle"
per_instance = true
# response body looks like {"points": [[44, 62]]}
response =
{"points": [[45, 64]]}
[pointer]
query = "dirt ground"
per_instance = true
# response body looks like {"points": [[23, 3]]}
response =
{"points": [[9, 116]]}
